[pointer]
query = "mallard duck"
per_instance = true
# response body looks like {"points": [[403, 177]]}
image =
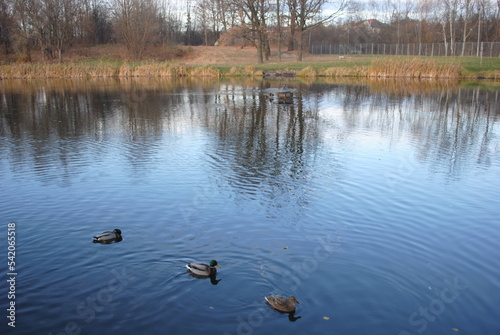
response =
{"points": [[202, 269], [282, 304], [108, 237]]}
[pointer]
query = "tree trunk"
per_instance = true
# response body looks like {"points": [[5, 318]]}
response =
{"points": [[267, 47], [300, 44], [278, 19], [291, 39], [445, 40], [260, 53], [452, 32], [479, 32], [466, 24]]}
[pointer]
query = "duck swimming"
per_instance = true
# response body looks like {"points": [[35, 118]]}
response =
{"points": [[282, 304], [202, 269], [108, 237]]}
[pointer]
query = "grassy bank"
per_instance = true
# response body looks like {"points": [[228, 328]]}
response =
{"points": [[360, 66]]}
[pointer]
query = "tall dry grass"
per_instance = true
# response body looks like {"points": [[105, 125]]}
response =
{"points": [[308, 71], [387, 68], [340, 72], [67, 70], [205, 71], [413, 68], [102, 70], [241, 71]]}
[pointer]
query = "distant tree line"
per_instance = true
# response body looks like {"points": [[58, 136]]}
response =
{"points": [[53, 26]]}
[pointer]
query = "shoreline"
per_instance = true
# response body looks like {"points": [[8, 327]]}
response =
{"points": [[377, 67]]}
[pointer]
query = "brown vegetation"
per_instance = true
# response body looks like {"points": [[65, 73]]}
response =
{"points": [[164, 61], [413, 68], [103, 70]]}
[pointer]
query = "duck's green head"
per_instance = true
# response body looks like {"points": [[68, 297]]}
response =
{"points": [[213, 263], [118, 231]]}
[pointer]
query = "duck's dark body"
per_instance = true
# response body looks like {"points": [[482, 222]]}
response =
{"points": [[108, 237]]}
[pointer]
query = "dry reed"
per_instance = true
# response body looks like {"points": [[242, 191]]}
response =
{"points": [[413, 68], [307, 72], [397, 68], [102, 70], [249, 70], [204, 71], [339, 72]]}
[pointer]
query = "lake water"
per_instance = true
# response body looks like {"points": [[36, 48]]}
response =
{"points": [[377, 205]]}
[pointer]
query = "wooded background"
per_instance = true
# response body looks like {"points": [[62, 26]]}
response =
{"points": [[52, 26]]}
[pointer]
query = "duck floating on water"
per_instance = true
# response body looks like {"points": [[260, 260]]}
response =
{"points": [[108, 237], [202, 269], [282, 304]]}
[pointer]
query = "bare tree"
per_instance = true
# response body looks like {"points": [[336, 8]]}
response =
{"points": [[22, 35], [6, 25], [423, 8], [93, 23], [169, 23], [136, 24], [467, 9], [216, 17], [308, 14], [204, 9], [50, 22], [400, 12], [292, 22], [449, 12], [63, 23], [255, 12]]}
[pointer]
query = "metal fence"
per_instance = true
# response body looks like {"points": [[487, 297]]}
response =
{"points": [[481, 49]]}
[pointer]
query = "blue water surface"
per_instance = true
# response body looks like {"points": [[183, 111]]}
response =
{"points": [[379, 210]]}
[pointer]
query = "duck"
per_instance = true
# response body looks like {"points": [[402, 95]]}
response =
{"points": [[108, 237], [282, 304], [202, 269]]}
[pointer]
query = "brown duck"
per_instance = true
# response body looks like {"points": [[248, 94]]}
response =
{"points": [[282, 304]]}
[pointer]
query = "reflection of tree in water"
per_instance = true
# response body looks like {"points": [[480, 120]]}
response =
{"points": [[44, 129], [51, 130], [264, 151], [447, 126], [267, 148]]}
